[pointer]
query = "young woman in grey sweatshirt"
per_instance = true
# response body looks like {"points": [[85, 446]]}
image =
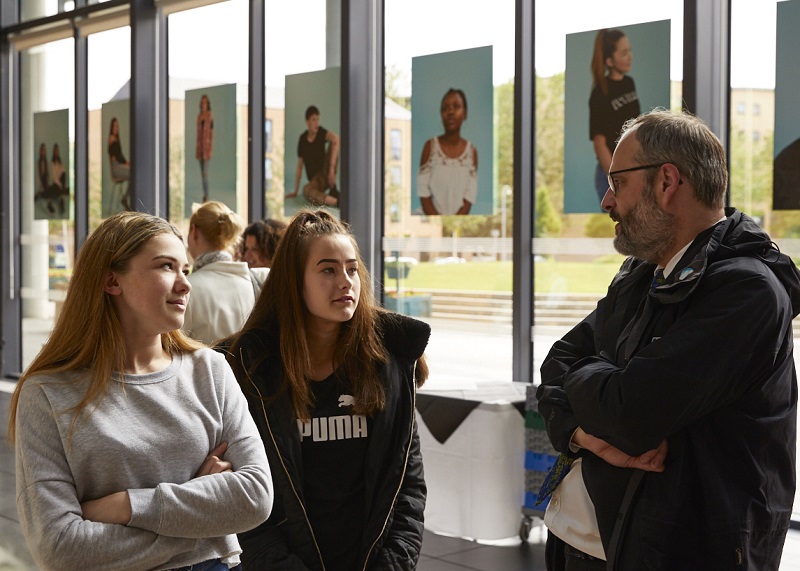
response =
{"points": [[134, 445]]}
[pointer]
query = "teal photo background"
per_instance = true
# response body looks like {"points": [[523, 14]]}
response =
{"points": [[650, 43], [431, 76], [112, 192], [319, 88], [787, 100], [222, 166], [787, 75], [52, 128]]}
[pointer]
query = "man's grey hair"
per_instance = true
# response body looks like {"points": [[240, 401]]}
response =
{"points": [[686, 142]]}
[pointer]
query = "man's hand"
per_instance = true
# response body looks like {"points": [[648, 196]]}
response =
{"points": [[652, 461], [113, 508], [214, 464]]}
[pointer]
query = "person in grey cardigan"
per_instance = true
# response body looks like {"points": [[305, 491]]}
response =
{"points": [[134, 446]]}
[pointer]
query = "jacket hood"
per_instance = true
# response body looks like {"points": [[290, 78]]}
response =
{"points": [[404, 337], [737, 236]]}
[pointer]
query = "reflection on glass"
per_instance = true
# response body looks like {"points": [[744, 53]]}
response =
{"points": [[573, 253]]}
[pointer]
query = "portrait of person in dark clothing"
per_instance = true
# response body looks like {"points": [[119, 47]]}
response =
{"points": [[120, 170], [613, 100], [318, 151], [786, 178]]}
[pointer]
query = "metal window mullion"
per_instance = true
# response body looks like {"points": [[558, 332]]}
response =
{"points": [[256, 203], [362, 129], [81, 145], [149, 181], [10, 223], [524, 192]]}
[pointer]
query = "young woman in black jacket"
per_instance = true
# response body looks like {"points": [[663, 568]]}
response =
{"points": [[331, 379]]}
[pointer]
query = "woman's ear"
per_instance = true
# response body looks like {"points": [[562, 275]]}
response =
{"points": [[111, 285]]}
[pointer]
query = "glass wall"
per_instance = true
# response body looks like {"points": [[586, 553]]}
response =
{"points": [[208, 74], [574, 258], [109, 72], [45, 203], [449, 182], [303, 70], [765, 170]]}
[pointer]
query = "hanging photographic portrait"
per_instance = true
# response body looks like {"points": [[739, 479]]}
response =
{"points": [[612, 75], [786, 168], [116, 170], [51, 199], [210, 143], [312, 141], [452, 104]]}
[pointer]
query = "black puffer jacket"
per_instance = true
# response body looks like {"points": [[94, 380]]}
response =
{"points": [[705, 362], [395, 486]]}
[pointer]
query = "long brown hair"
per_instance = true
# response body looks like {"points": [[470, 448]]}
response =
{"points": [[605, 44], [281, 305], [87, 334]]}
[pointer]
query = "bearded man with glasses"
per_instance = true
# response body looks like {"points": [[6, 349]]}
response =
{"points": [[674, 403]]}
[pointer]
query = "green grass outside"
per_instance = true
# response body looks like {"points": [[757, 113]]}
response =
{"points": [[549, 276]]}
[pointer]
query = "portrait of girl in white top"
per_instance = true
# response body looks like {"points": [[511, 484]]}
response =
{"points": [[447, 182], [134, 445]]}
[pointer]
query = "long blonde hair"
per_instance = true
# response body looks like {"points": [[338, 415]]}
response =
{"points": [[218, 224], [87, 334], [281, 305]]}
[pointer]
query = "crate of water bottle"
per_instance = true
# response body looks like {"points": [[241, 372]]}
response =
{"points": [[538, 461], [538, 441], [534, 480], [530, 397]]}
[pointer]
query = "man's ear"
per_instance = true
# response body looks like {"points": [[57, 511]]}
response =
{"points": [[671, 180], [111, 285]]}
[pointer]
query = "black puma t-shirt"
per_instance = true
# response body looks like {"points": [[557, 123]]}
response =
{"points": [[334, 445]]}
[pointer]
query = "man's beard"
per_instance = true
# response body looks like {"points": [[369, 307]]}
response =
{"points": [[646, 231]]}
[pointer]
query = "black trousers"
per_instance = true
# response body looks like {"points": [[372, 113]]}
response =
{"points": [[560, 556]]}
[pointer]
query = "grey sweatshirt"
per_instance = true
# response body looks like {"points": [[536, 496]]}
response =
{"points": [[149, 436]]}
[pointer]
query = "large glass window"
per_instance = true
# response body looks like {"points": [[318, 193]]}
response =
{"points": [[302, 69], [46, 203], [208, 70], [574, 259], [109, 73], [449, 149], [764, 137]]}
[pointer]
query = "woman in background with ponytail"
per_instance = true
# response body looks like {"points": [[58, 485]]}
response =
{"points": [[223, 290], [613, 100]]}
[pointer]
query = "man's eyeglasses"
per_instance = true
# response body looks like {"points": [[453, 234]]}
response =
{"points": [[611, 174]]}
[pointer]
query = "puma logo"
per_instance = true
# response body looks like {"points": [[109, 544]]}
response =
{"points": [[346, 400]]}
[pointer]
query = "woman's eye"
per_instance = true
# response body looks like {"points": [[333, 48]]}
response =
{"points": [[352, 271]]}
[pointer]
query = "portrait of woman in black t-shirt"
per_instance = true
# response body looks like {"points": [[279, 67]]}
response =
{"points": [[613, 100]]}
